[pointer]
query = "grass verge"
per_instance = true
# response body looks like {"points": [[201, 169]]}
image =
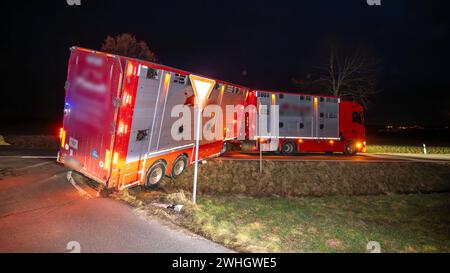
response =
{"points": [[297, 179], [32, 141], [400, 223], [3, 142], [406, 149]]}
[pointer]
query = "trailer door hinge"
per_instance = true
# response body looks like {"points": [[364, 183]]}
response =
{"points": [[117, 102], [67, 85], [112, 128]]}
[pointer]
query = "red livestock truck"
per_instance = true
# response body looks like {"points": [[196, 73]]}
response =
{"points": [[118, 126], [312, 123], [118, 121]]}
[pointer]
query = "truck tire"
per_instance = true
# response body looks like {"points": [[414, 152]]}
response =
{"points": [[179, 166], [288, 148], [155, 175], [225, 148], [350, 148]]}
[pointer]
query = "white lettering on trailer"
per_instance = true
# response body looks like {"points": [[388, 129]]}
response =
{"points": [[99, 88], [93, 60]]}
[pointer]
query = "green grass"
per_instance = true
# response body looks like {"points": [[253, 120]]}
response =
{"points": [[406, 149], [311, 206], [400, 223], [32, 141], [3, 142]]}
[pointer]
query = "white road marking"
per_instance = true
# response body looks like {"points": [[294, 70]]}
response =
{"points": [[38, 157], [405, 158], [28, 157], [74, 184], [32, 166]]}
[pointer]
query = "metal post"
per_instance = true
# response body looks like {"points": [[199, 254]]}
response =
{"points": [[260, 157], [425, 152], [197, 144]]}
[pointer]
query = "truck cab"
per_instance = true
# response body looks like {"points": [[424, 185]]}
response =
{"points": [[351, 127]]}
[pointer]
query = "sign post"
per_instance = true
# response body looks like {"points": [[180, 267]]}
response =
{"points": [[202, 89], [260, 156]]}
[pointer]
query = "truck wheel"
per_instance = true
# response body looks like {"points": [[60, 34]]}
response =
{"points": [[288, 148], [225, 148], [179, 166], [155, 174], [350, 148]]}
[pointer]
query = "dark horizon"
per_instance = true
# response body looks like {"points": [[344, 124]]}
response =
{"points": [[273, 43]]}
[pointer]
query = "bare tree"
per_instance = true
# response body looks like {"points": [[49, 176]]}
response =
{"points": [[350, 73], [126, 44]]}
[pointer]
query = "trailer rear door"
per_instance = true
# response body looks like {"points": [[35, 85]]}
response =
{"points": [[93, 84]]}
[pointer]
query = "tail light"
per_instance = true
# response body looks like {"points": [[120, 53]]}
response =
{"points": [[107, 159], [62, 137], [130, 70], [115, 158]]}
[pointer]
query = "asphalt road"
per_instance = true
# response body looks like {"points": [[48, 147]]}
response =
{"points": [[40, 211]]}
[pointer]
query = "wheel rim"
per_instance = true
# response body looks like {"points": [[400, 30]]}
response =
{"points": [[179, 167], [349, 148], [288, 148], [155, 176]]}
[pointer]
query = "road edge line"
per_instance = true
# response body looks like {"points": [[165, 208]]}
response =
{"points": [[78, 188]]}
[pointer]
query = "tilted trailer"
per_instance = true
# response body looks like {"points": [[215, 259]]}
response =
{"points": [[117, 126]]}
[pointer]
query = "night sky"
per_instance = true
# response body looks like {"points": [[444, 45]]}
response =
{"points": [[273, 41]]}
